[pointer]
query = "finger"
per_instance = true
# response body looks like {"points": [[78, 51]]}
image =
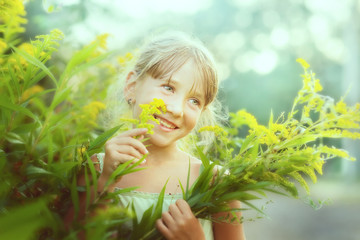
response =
{"points": [[167, 219], [134, 132], [120, 158], [131, 141], [175, 211], [183, 206], [160, 225], [129, 150]]}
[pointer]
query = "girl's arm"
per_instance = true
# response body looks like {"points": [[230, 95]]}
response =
{"points": [[119, 149], [233, 231]]}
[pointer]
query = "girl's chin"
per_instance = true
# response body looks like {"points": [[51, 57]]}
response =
{"points": [[160, 140]]}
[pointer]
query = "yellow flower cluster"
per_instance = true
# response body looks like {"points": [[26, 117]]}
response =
{"points": [[3, 46], [310, 84], [11, 17], [352, 135], [303, 63], [102, 39], [31, 91], [157, 106], [217, 130], [27, 47], [242, 117], [123, 60], [266, 136], [91, 111], [340, 107], [336, 152], [99, 42], [48, 43]]}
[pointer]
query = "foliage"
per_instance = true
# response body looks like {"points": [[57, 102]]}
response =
{"points": [[48, 130], [270, 158], [274, 157]]}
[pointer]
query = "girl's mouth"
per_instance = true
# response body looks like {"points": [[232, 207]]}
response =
{"points": [[165, 123]]}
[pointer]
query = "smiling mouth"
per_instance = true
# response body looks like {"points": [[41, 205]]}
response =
{"points": [[166, 123]]}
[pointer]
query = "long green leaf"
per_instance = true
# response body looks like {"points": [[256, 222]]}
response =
{"points": [[17, 108], [100, 140], [34, 61]]}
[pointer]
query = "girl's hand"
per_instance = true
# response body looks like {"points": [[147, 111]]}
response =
{"points": [[123, 148], [180, 223]]}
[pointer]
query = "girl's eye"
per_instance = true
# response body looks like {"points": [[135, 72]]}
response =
{"points": [[168, 88], [194, 101]]}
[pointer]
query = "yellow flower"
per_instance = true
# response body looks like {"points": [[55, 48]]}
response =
{"points": [[157, 106], [266, 136], [242, 117], [3, 46], [317, 87], [306, 111], [123, 60], [303, 63], [102, 40], [335, 151], [352, 135], [346, 123], [31, 91], [217, 130], [91, 111], [11, 17], [340, 107]]}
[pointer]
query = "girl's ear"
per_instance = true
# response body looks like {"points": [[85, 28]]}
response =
{"points": [[130, 83]]}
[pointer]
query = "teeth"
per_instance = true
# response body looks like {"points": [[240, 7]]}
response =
{"points": [[166, 124]]}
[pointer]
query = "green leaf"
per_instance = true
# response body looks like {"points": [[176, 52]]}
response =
{"points": [[34, 61], [17, 108], [205, 161], [24, 222], [299, 141], [271, 120], [110, 195], [241, 196], [92, 171], [75, 196], [160, 202], [59, 98], [14, 138], [247, 143], [100, 140], [255, 208], [32, 170], [90, 63]]}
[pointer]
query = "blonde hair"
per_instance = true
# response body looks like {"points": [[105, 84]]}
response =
{"points": [[163, 55]]}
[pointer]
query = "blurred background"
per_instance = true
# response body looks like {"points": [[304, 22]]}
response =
{"points": [[256, 44]]}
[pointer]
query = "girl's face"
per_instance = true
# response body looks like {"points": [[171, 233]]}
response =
{"points": [[184, 101]]}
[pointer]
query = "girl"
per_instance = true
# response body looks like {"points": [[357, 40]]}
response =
{"points": [[180, 71]]}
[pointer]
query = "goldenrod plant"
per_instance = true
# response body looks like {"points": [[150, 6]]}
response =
{"points": [[270, 158], [48, 128]]}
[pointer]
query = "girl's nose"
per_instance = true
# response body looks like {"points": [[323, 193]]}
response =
{"points": [[175, 108]]}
